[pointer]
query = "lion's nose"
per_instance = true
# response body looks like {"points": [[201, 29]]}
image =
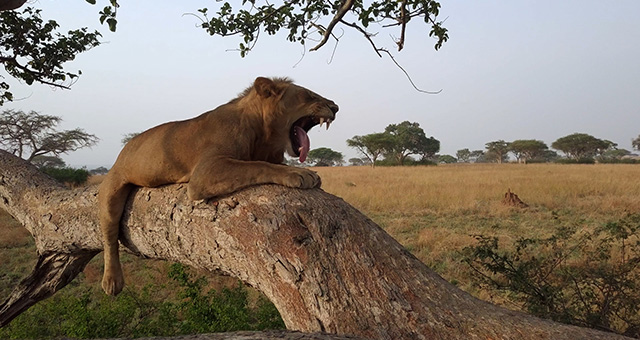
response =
{"points": [[333, 107]]}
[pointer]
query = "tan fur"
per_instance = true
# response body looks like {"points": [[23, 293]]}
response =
{"points": [[239, 144]]}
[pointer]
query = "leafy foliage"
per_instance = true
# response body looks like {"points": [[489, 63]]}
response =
{"points": [[396, 143], [67, 175], [589, 279], [88, 313], [32, 50], [527, 149], [29, 135], [305, 20], [410, 139], [582, 146], [325, 157], [636, 143], [497, 150], [447, 159], [372, 146]]}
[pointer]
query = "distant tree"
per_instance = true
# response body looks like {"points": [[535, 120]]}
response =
{"points": [[447, 159], [477, 156], [356, 161], [28, 135], [409, 139], [431, 148], [497, 150], [48, 162], [463, 155], [371, 146], [636, 143], [32, 50], [526, 149], [546, 156], [581, 146], [614, 154], [295, 162], [128, 136], [325, 157], [98, 171]]}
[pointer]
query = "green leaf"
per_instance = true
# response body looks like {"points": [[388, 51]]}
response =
{"points": [[93, 2], [112, 24]]}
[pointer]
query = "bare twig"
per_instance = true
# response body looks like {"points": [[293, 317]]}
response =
{"points": [[346, 6], [407, 74], [366, 34]]}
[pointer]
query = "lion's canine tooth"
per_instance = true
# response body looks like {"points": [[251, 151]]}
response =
{"points": [[321, 121], [328, 123]]}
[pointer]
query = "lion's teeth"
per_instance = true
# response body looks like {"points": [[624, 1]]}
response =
{"points": [[321, 121], [328, 123]]}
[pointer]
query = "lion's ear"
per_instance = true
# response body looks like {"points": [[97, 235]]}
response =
{"points": [[265, 87]]}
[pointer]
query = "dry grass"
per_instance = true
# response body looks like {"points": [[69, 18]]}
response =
{"points": [[435, 211], [479, 187]]}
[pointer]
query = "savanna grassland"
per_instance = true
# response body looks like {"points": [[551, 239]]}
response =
{"points": [[434, 211]]}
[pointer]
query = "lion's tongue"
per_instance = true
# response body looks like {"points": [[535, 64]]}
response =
{"points": [[303, 141]]}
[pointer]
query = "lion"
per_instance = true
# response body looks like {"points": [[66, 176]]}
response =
{"points": [[237, 145]]}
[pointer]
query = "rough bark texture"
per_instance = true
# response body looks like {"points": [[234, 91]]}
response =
{"points": [[325, 266]]}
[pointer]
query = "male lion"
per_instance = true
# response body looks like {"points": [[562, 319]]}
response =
{"points": [[238, 144]]}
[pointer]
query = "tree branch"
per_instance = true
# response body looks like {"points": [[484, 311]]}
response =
{"points": [[346, 6], [7, 5], [325, 266]]}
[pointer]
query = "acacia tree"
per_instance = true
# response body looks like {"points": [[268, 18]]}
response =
{"points": [[497, 150], [325, 157], [463, 155], [527, 149], [372, 146], [581, 145], [409, 139], [29, 135], [636, 143], [478, 156]]}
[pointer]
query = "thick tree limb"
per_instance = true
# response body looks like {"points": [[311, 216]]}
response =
{"points": [[6, 5], [325, 266]]}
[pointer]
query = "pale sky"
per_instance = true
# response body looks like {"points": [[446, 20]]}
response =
{"points": [[511, 70]]}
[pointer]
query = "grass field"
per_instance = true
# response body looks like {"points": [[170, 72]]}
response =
{"points": [[433, 211]]}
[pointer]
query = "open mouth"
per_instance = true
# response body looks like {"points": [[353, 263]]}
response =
{"points": [[298, 134]]}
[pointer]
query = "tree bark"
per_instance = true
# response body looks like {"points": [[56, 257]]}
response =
{"points": [[6, 5], [326, 267]]}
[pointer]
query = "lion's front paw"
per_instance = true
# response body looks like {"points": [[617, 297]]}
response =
{"points": [[113, 281], [301, 178]]}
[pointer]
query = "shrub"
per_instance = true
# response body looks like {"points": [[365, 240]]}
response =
{"points": [[67, 175], [81, 312], [589, 279]]}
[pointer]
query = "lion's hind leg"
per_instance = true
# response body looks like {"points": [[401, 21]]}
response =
{"points": [[112, 198]]}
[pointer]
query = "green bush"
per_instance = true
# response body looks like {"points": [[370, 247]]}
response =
{"points": [[84, 312], [590, 279], [67, 175]]}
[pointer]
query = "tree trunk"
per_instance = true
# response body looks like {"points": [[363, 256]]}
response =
{"points": [[325, 266]]}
